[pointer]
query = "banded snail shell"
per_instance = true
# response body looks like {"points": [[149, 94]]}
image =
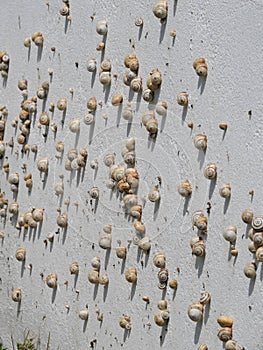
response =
{"points": [[162, 304], [148, 115], [201, 223], [161, 108], [258, 239], [21, 254], [148, 95], [127, 112], [154, 195], [161, 317], [225, 191], [62, 104], [139, 227], [104, 279], [197, 61], [136, 84], [105, 78], [74, 125], [247, 216], [116, 99], [128, 58], [160, 9], [92, 65], [185, 189], [173, 284], [200, 141], [128, 76], [121, 252], [259, 254], [42, 165], [109, 159], [105, 65], [156, 77], [202, 69], [231, 345], [163, 275], [203, 347], [210, 171], [196, 215], [125, 322], [225, 334], [131, 275], [205, 298], [144, 244], [93, 276], [182, 99], [37, 214], [257, 223], [74, 268], [92, 103], [44, 119], [198, 248], [105, 241], [159, 260], [62, 220], [95, 262], [250, 270], [51, 280]]}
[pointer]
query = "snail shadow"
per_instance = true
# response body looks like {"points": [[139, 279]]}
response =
{"points": [[76, 140], [95, 291], [39, 52], [105, 292], [129, 125], [199, 265], [247, 230], [126, 334], [224, 134], [211, 188], [18, 310], [138, 101], [29, 53], [201, 157], [201, 84], [76, 276], [39, 228], [4, 82], [66, 25], [163, 121], [107, 258], [133, 290], [156, 210], [162, 31], [151, 142], [174, 294], [155, 99], [106, 90], [51, 243], [184, 113], [93, 76], [226, 205], [22, 268], [91, 132], [65, 230], [163, 334], [44, 180], [251, 286], [186, 204], [261, 273], [53, 296], [198, 329], [85, 326], [164, 292], [175, 7], [140, 32], [146, 260], [207, 312], [123, 265], [119, 115]]}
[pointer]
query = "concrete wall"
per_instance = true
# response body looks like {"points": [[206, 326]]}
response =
{"points": [[228, 34]]}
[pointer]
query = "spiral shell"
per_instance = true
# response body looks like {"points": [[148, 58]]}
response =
{"points": [[136, 211], [62, 104], [154, 195], [198, 249], [13, 208], [259, 254], [161, 317], [258, 239], [159, 260], [52, 280], [102, 27], [250, 270], [125, 322], [109, 159], [59, 188], [22, 84], [41, 93], [195, 312], [74, 125], [138, 22], [127, 112], [139, 227], [16, 295], [42, 165], [225, 334], [74, 268], [185, 189], [136, 84], [93, 276], [197, 61], [104, 279], [252, 248], [105, 241], [84, 315], [230, 234], [205, 298], [163, 275], [128, 58], [105, 65], [38, 39], [13, 179], [62, 220], [225, 321], [210, 171], [94, 192], [37, 214], [44, 119], [201, 223], [116, 99], [225, 191], [117, 173], [131, 275], [21, 254], [160, 9], [92, 65], [128, 76], [89, 119], [27, 42], [148, 95], [257, 223], [121, 252], [134, 64], [200, 141], [203, 347], [105, 78], [96, 263], [161, 108], [92, 103], [247, 216], [202, 70], [162, 304], [182, 99], [231, 345], [173, 284], [144, 244]]}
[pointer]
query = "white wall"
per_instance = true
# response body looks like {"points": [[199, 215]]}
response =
{"points": [[228, 34]]}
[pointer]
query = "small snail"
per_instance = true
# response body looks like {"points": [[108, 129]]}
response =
{"points": [[159, 260], [128, 58], [200, 141], [225, 191], [203, 347], [259, 254], [136, 211], [138, 22], [94, 192], [154, 195], [195, 312], [96, 263], [118, 173], [27, 42], [13, 179], [162, 304], [131, 275], [136, 84], [128, 76], [125, 322], [62, 104], [89, 119], [225, 321], [257, 223], [13, 208], [59, 188], [185, 189], [93, 276], [74, 268], [105, 78], [161, 108], [37, 214], [127, 112], [163, 276], [94, 164], [16, 296], [139, 227], [21, 254], [210, 171], [182, 99], [116, 99], [121, 252], [92, 103], [200, 67], [161, 318], [84, 315], [258, 239], [148, 95], [102, 27], [201, 223], [231, 345], [51, 280], [247, 216], [92, 65], [160, 9], [109, 159], [225, 334], [104, 279], [105, 241], [198, 249], [230, 234], [250, 270], [173, 284], [74, 125], [105, 65], [42, 165], [62, 220], [205, 298], [44, 119], [38, 39], [144, 244]]}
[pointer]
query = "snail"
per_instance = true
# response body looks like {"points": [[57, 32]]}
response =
{"points": [[161, 108], [225, 334], [27, 42], [38, 39], [104, 279], [123, 186], [94, 192], [154, 195], [252, 248], [163, 276], [22, 84], [257, 223], [94, 164], [225, 191], [203, 347], [195, 312], [84, 315], [210, 171], [136, 84], [161, 317], [138, 22], [125, 322], [42, 165], [198, 249], [173, 284], [21, 254], [16, 295], [156, 78], [182, 99], [134, 64], [258, 239], [92, 103], [247, 216], [159, 260], [109, 159], [102, 27], [41, 93], [148, 95], [13, 179], [37, 214], [93, 276], [92, 65], [162, 304], [144, 244], [116, 99], [205, 298], [225, 321], [160, 9], [200, 67], [62, 220], [200, 141], [230, 234], [105, 65], [185, 189], [59, 188], [127, 112], [62, 104], [74, 268], [201, 223], [128, 76], [34, 148], [72, 154], [44, 119], [139, 227], [147, 116], [128, 58], [250, 270], [131, 275], [96, 263], [51, 280], [231, 345], [13, 208], [121, 252], [74, 125], [105, 241], [118, 173], [136, 211], [259, 254], [105, 78], [107, 228]]}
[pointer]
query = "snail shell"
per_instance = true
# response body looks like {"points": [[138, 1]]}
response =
{"points": [[72, 154], [22, 84], [121, 252], [102, 27], [107, 228], [200, 141], [148, 95], [201, 223], [163, 276], [139, 227], [259, 254], [129, 158], [250, 270], [105, 78], [37, 214], [225, 334], [127, 112], [202, 69], [210, 171], [195, 312], [162, 304], [225, 321], [116, 99], [130, 144], [21, 254], [132, 181], [138, 22], [182, 99], [225, 191], [44, 119], [185, 189], [16, 295], [128, 58], [205, 298], [154, 195], [203, 347], [144, 244], [197, 61], [95, 263], [105, 241], [198, 248], [231, 345], [230, 234], [247, 216], [42, 165], [94, 192], [41, 93], [159, 260], [160, 9], [136, 84], [257, 223], [134, 64], [74, 268], [94, 164], [51, 280], [62, 104], [161, 318], [109, 159], [173, 284], [128, 76], [27, 42], [118, 173], [105, 65], [136, 211], [104, 279], [59, 188], [13, 208], [161, 108], [13, 179], [252, 248], [152, 126], [123, 186], [92, 103], [93, 276], [125, 322], [92, 65], [131, 275], [62, 220], [197, 214], [147, 116], [84, 315], [258, 239], [74, 125]]}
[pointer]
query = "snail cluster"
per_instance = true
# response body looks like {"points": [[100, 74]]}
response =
{"points": [[4, 63], [162, 316], [76, 160], [196, 309]]}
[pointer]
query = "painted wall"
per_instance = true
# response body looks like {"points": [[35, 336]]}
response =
{"points": [[228, 34]]}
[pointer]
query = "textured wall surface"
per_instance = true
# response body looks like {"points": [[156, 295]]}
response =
{"points": [[229, 35]]}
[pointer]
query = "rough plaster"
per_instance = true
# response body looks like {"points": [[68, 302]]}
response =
{"points": [[229, 35]]}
